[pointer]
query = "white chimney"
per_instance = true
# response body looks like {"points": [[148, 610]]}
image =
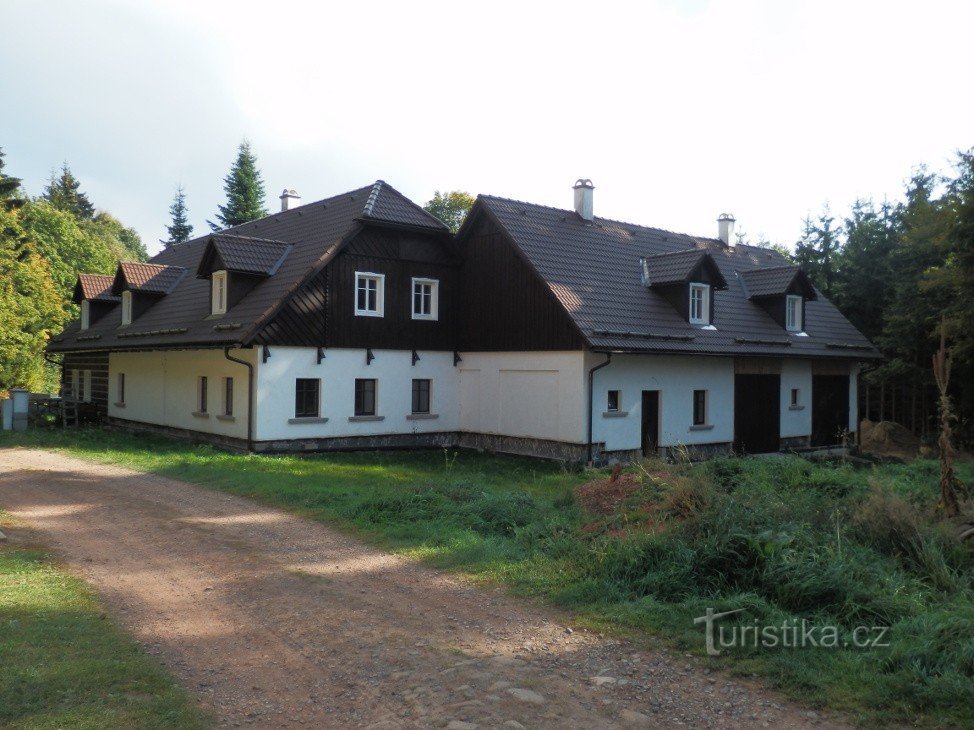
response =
{"points": [[584, 206], [290, 199], [725, 229]]}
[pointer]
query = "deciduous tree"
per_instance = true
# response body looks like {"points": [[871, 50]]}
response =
{"points": [[451, 207]]}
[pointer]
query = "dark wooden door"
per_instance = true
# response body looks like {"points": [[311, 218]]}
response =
{"points": [[757, 413], [830, 409], [650, 427]]}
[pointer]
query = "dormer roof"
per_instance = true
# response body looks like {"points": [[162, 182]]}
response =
{"points": [[682, 267], [94, 288], [156, 279], [776, 281], [242, 254]]}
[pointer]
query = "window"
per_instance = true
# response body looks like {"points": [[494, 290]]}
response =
{"points": [[793, 313], [75, 384], [369, 294], [126, 307], [425, 298], [85, 314], [364, 397], [307, 397], [794, 396], [201, 395], [228, 396], [218, 292], [699, 408], [699, 304], [120, 395], [86, 387], [421, 395], [613, 404]]}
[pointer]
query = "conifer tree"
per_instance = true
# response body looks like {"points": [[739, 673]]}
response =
{"points": [[63, 192], [8, 185], [181, 229], [245, 191]]}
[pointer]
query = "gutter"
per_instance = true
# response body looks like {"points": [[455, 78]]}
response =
{"points": [[591, 400], [250, 395]]}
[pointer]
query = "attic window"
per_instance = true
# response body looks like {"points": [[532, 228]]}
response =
{"points": [[793, 313], [85, 315], [126, 307], [699, 303], [218, 292]]}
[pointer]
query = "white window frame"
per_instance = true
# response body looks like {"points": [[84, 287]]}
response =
{"points": [[704, 317], [85, 314], [218, 292], [380, 286], [126, 307], [434, 285], [794, 305]]}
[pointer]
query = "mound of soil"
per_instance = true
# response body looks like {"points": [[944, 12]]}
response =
{"points": [[886, 438], [604, 496]]}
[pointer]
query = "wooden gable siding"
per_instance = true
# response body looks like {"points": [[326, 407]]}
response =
{"points": [[321, 313], [97, 363], [505, 304]]}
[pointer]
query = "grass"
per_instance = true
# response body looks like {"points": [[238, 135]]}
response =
{"points": [[62, 661], [782, 538]]}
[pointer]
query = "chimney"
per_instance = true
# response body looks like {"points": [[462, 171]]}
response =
{"points": [[289, 199], [725, 229], [584, 191]]}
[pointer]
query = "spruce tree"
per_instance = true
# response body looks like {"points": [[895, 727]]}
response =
{"points": [[64, 194], [181, 229], [8, 185], [245, 191]]}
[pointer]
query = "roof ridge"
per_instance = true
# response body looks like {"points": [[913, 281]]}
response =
{"points": [[373, 197], [601, 218], [773, 268], [250, 238]]}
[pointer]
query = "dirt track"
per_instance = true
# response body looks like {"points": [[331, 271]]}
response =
{"points": [[276, 621]]}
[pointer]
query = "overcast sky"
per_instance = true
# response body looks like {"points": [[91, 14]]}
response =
{"points": [[676, 110]]}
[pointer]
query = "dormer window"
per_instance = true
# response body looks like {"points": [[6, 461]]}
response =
{"points": [[699, 303], [85, 315], [793, 313], [218, 293], [126, 307]]}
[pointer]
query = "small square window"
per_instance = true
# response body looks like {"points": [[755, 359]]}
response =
{"points": [[202, 395], [307, 397], [613, 401], [421, 395], [228, 396], [699, 407], [795, 396], [699, 303], [369, 294], [364, 397], [425, 298]]}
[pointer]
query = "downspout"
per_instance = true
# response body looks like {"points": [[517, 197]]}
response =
{"points": [[250, 395], [591, 400]]}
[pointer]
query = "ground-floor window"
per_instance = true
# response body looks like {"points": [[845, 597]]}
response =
{"points": [[75, 386], [613, 401], [699, 407], [795, 396], [201, 395], [307, 397], [228, 396], [364, 397], [421, 395], [120, 395], [86, 387]]}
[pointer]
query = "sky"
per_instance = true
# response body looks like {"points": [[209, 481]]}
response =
{"points": [[678, 111]]}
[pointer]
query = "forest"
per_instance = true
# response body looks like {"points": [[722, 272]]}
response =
{"points": [[900, 270]]}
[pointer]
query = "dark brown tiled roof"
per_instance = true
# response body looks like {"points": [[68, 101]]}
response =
{"points": [[150, 278], [594, 271], [244, 254], [774, 281], [94, 287], [676, 267], [315, 231]]}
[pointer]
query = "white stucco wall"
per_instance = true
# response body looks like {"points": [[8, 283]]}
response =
{"points": [[161, 388], [676, 377], [394, 371], [532, 394], [796, 374]]}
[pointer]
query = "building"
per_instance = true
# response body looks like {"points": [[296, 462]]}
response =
{"points": [[360, 322]]}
